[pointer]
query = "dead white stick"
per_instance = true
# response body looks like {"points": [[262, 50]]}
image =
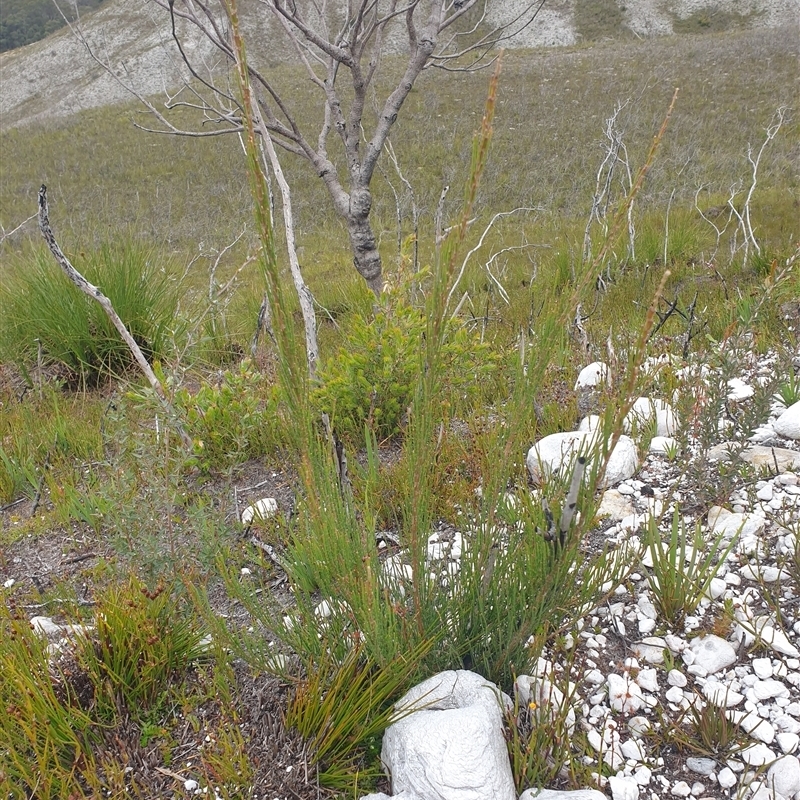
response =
{"points": [[95, 293]]}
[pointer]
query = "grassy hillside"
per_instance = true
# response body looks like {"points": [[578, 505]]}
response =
{"points": [[107, 176], [25, 21]]}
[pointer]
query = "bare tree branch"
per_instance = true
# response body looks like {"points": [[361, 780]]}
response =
{"points": [[478, 246], [92, 291], [5, 235]]}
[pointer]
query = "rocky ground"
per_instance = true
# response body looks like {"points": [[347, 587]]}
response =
{"points": [[705, 704]]}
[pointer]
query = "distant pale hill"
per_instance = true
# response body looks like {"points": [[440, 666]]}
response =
{"points": [[57, 76]]}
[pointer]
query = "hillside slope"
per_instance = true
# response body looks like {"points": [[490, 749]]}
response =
{"points": [[58, 77]]}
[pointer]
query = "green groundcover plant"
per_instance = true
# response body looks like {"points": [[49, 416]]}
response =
{"points": [[231, 421]]}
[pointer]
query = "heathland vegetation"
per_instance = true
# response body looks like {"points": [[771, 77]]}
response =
{"points": [[432, 394]]}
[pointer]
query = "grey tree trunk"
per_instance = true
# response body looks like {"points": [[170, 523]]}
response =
{"points": [[366, 258]]}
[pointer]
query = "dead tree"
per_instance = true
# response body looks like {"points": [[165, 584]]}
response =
{"points": [[342, 47]]}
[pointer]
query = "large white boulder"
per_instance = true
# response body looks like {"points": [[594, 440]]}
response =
{"points": [[788, 423], [556, 454], [450, 746]]}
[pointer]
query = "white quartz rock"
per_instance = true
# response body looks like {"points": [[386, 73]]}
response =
{"points": [[788, 423], [783, 776], [633, 750], [451, 745], [614, 506], [643, 775], [650, 649], [674, 695], [758, 727], [777, 640], [555, 794], [592, 375], [757, 755], [702, 766], [624, 694], [45, 626], [764, 690], [639, 726], [664, 445], [762, 668], [263, 509], [623, 788], [788, 742], [712, 653], [558, 452], [716, 588], [726, 523], [681, 789], [720, 694], [647, 412], [592, 422], [676, 678], [726, 778], [648, 679], [739, 390]]}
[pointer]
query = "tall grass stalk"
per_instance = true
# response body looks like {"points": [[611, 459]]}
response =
{"points": [[340, 708], [420, 447]]}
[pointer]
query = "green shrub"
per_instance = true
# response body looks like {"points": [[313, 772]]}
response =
{"points": [[232, 421], [43, 309], [370, 380]]}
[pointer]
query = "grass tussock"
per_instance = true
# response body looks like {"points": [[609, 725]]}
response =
{"points": [[47, 322]]}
